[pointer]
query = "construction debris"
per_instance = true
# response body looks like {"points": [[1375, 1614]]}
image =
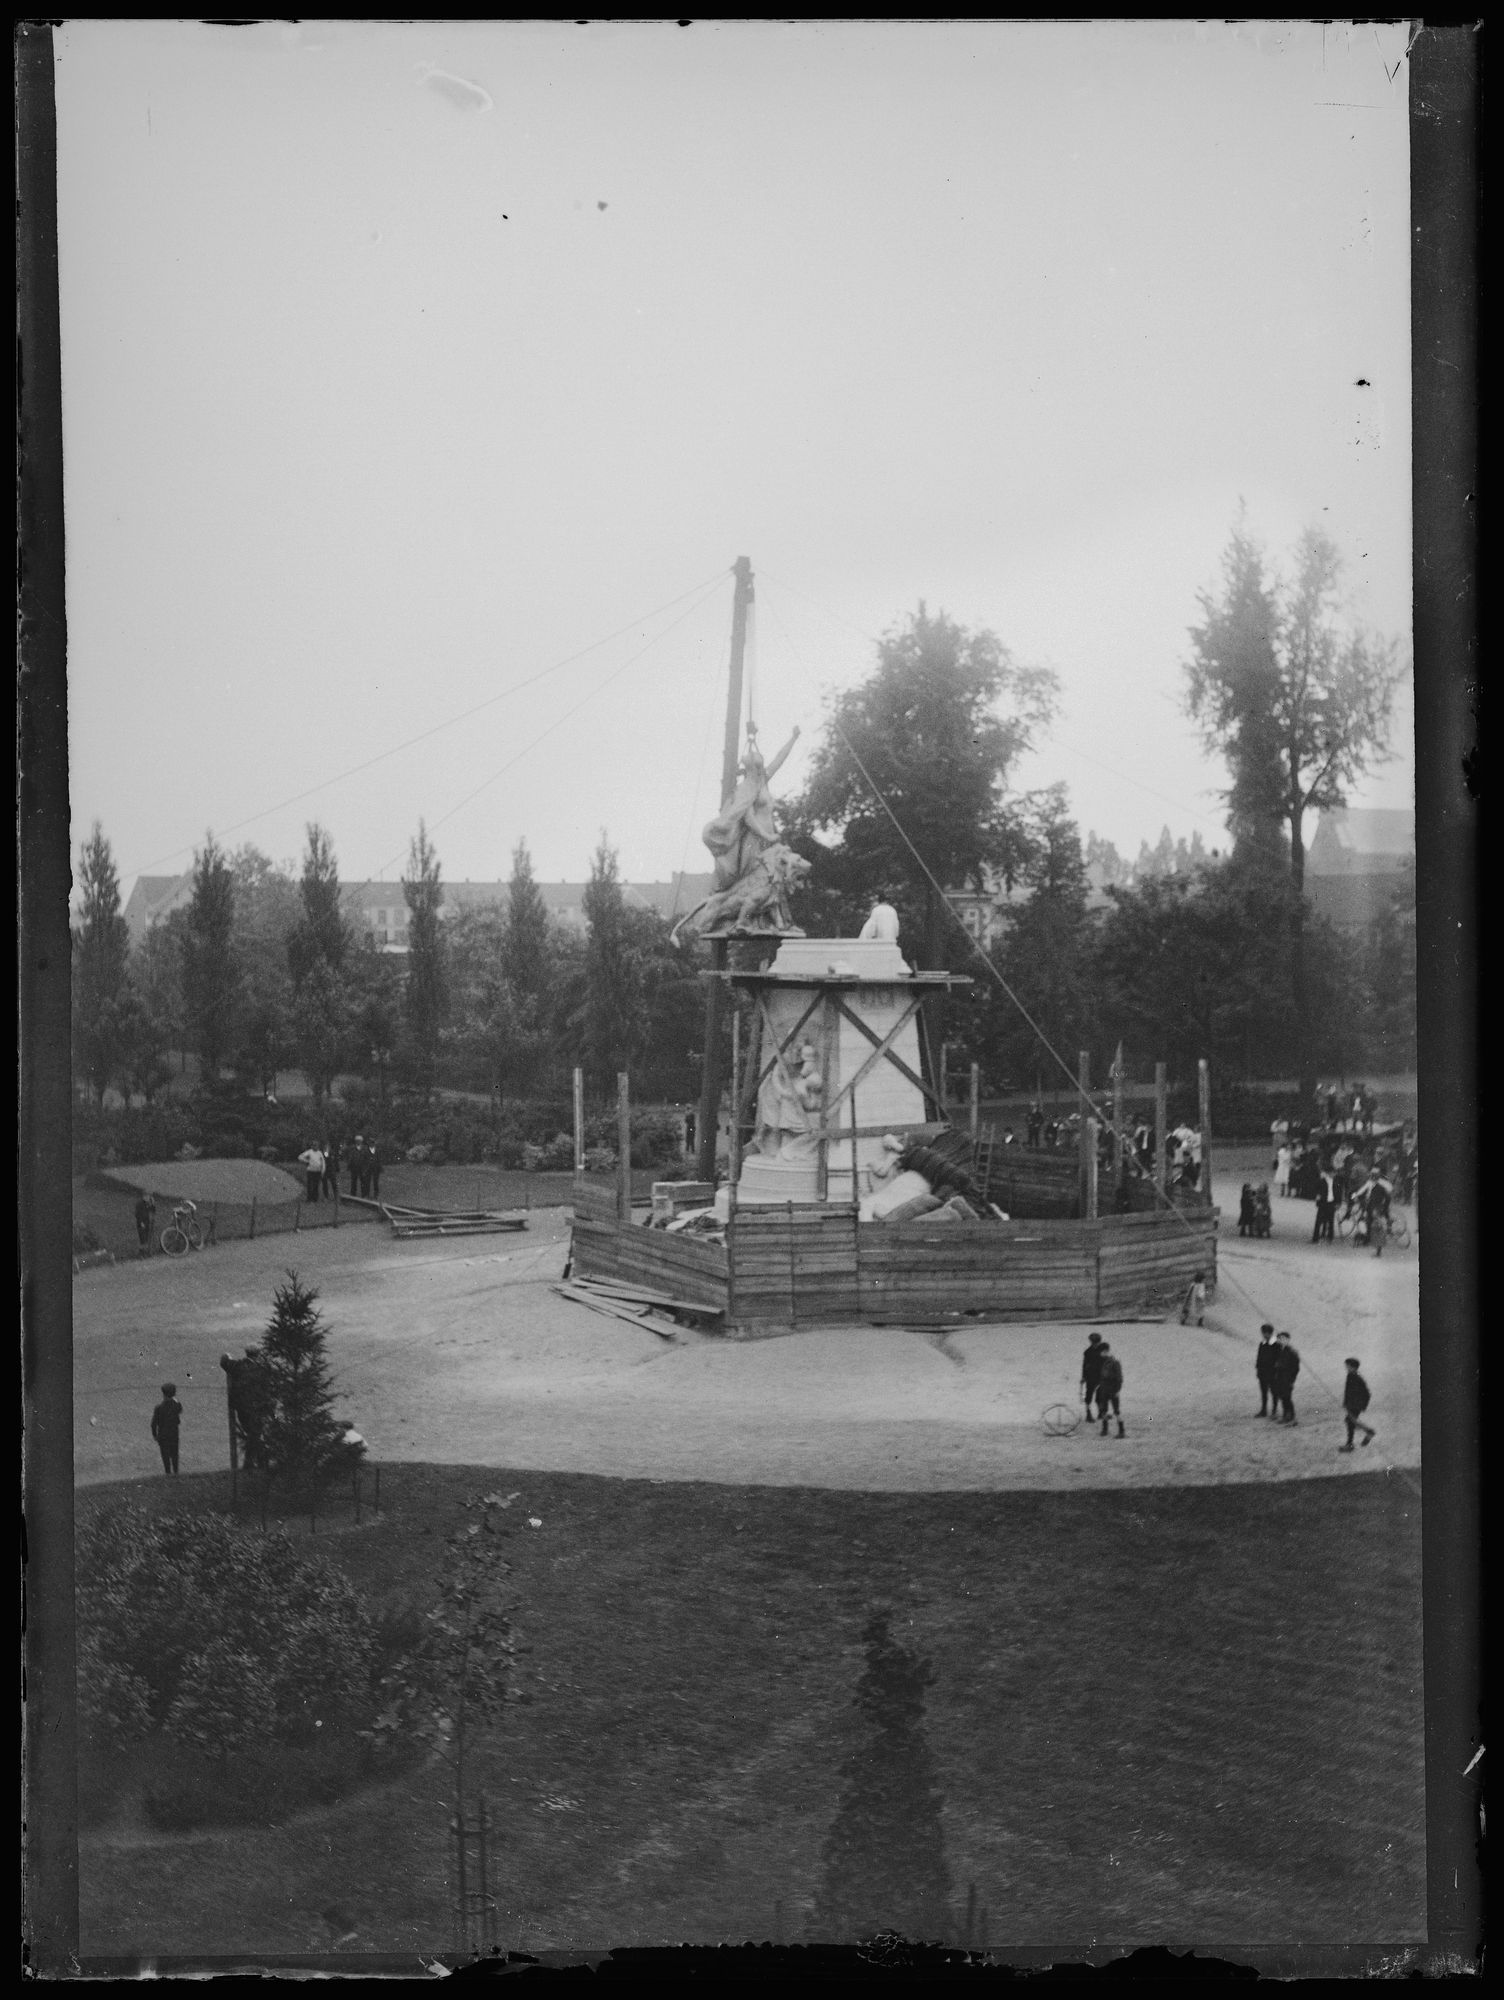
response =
{"points": [[449, 1222]]}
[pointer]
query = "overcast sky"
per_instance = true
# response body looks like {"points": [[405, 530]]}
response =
{"points": [[404, 363]]}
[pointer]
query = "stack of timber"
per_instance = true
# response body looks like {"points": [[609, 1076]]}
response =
{"points": [[675, 1267], [638, 1307], [447, 1222], [794, 1264]]}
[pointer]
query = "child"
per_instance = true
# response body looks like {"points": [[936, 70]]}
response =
{"points": [[1110, 1388], [1355, 1400], [165, 1419], [1194, 1306]]}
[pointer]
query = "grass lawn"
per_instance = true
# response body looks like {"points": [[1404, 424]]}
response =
{"points": [[1178, 1716]]}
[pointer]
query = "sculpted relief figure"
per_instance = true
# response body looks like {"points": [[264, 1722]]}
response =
{"points": [[788, 1108]]}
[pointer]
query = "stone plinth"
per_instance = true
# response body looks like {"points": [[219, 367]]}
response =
{"points": [[870, 976]]}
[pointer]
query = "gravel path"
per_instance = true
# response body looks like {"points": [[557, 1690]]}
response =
{"points": [[459, 1352]]}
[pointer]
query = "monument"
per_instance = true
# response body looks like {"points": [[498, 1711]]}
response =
{"points": [[833, 1058]]}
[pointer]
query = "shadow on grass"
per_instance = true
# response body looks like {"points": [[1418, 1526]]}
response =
{"points": [[884, 1865]]}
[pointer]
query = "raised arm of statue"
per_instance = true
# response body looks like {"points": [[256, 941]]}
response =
{"points": [[778, 761]]}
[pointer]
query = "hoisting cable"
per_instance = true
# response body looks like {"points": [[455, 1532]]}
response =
{"points": [[452, 721], [558, 722]]}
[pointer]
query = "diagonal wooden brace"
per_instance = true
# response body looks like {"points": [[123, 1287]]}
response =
{"points": [[883, 1046]]}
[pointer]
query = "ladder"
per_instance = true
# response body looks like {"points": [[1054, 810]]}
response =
{"points": [[982, 1161]]}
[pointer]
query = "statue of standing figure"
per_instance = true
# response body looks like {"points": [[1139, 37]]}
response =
{"points": [[788, 1108], [754, 871]]}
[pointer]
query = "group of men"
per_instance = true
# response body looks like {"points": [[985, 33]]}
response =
{"points": [[321, 1164], [1276, 1366]]}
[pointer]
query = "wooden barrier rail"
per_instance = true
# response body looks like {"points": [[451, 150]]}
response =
{"points": [[798, 1264]]}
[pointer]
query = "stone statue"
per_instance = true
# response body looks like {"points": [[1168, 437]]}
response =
{"points": [[757, 903], [788, 1108], [743, 830], [883, 922]]}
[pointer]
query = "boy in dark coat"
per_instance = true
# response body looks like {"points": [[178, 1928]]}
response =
{"points": [[146, 1215], [1091, 1369], [1109, 1389], [1286, 1368], [1263, 1368], [1355, 1400], [166, 1418]]}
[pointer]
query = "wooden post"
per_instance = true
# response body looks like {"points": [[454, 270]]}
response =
{"points": [[253, 1218], [976, 1102], [715, 999], [945, 1079], [1161, 1126], [1084, 1140], [1204, 1118], [623, 1149], [1117, 1118], [579, 1121], [735, 1167], [1091, 1168], [822, 1155]]}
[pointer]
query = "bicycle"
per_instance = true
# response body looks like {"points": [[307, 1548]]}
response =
{"points": [[183, 1233]]}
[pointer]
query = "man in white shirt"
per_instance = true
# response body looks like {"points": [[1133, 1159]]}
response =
{"points": [[312, 1163]]}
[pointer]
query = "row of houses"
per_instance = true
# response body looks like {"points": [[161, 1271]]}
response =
{"points": [[1354, 864], [380, 908]]}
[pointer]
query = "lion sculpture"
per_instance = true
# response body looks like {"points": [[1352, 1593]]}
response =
{"points": [[756, 904]]}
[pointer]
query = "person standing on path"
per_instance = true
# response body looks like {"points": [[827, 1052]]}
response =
{"points": [[357, 1164], [373, 1161], [1355, 1400], [1286, 1368], [1110, 1389], [1325, 1230], [1193, 1306], [146, 1222], [312, 1163], [1263, 1368], [1091, 1369], [165, 1420], [1283, 1160]]}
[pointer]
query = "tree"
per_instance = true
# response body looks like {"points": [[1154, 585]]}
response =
{"points": [[1299, 704], [374, 982], [157, 977], [458, 1676], [101, 952], [614, 1014], [1045, 953], [267, 912], [497, 1034], [302, 1437], [317, 948], [884, 1860], [1389, 967], [321, 935], [938, 726], [427, 995], [211, 967], [526, 947]]}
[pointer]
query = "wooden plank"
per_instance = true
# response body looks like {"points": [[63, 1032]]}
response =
{"points": [[665, 1330]]}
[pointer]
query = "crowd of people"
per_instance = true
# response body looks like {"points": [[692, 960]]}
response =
{"points": [[1351, 1174]]}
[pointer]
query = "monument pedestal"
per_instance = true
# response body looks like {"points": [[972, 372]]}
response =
{"points": [[821, 994]]}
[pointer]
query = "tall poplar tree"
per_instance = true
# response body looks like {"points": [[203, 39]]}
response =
{"points": [[427, 995], [1298, 700], [101, 953], [211, 969]]}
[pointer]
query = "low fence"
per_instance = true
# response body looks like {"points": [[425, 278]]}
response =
{"points": [[237, 1221], [805, 1264]]}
